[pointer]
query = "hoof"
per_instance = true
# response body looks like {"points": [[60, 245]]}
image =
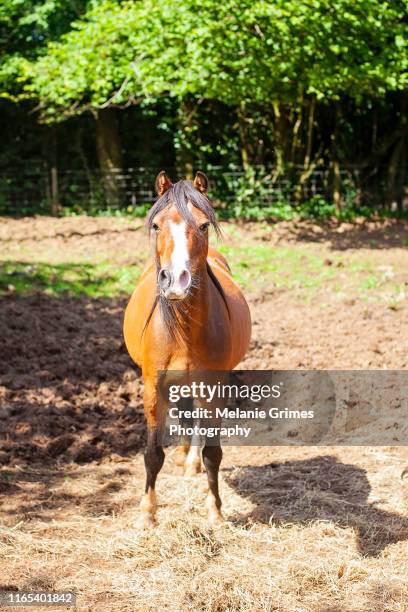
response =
{"points": [[214, 513], [192, 469], [146, 521], [216, 519], [179, 456]]}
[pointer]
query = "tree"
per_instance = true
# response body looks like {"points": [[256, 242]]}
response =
{"points": [[278, 64], [25, 30], [276, 56], [80, 72]]}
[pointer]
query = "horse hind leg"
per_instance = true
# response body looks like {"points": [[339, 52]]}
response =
{"points": [[192, 465], [188, 454], [181, 452]]}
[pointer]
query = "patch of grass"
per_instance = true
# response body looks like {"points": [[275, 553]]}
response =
{"points": [[110, 263], [92, 280], [307, 270], [371, 282], [284, 267]]}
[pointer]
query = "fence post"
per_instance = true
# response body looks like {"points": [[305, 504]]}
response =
{"points": [[336, 185]]}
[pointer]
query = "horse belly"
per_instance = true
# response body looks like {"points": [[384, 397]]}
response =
{"points": [[240, 317], [136, 315]]}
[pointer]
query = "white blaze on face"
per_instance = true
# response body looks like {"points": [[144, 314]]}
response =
{"points": [[179, 256]]}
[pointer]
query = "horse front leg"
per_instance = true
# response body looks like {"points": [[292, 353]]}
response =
{"points": [[212, 455], [153, 456]]}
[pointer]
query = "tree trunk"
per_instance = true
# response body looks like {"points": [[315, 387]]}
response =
{"points": [[394, 195], [396, 171], [82, 156], [335, 164], [109, 151], [184, 155], [401, 178], [308, 166], [281, 140], [309, 142], [295, 133], [53, 164], [244, 137]]}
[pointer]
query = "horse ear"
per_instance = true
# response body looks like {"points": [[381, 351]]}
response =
{"points": [[201, 182], [163, 183]]}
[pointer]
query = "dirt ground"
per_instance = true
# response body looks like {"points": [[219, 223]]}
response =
{"points": [[313, 528]]}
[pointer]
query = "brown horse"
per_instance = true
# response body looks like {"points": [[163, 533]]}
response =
{"points": [[186, 313]]}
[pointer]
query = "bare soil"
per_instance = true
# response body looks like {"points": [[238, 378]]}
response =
{"points": [[309, 528]]}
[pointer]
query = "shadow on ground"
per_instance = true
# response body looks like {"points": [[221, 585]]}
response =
{"points": [[68, 389], [320, 488], [387, 234], [46, 494]]}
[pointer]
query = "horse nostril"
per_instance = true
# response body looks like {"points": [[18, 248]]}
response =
{"points": [[184, 279], [164, 279]]}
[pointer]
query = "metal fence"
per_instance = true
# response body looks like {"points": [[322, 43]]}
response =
{"points": [[33, 189]]}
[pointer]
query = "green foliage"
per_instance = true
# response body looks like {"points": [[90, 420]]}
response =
{"points": [[92, 280], [283, 82], [249, 196], [230, 51], [26, 26], [89, 63], [277, 50], [253, 196], [319, 208]]}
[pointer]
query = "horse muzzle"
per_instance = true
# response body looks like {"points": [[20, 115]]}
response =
{"points": [[174, 285]]}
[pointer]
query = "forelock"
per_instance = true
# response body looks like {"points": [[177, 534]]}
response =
{"points": [[179, 195]]}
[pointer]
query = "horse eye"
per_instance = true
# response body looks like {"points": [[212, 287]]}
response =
{"points": [[155, 227], [204, 227]]}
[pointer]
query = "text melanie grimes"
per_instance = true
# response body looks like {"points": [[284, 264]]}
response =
{"points": [[219, 393]]}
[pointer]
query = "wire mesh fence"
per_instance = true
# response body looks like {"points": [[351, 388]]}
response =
{"points": [[34, 189]]}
